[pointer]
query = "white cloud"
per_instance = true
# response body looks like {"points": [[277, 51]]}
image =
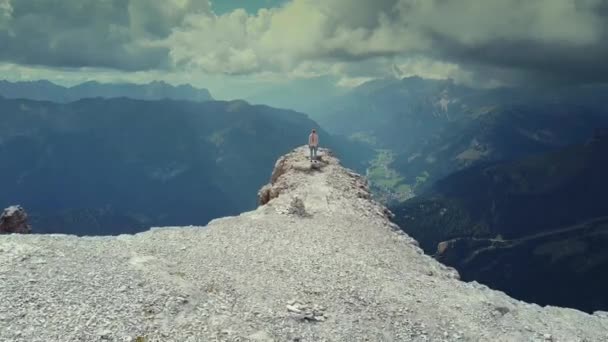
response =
{"points": [[352, 82], [5, 8], [281, 39], [448, 34], [6, 11], [431, 69]]}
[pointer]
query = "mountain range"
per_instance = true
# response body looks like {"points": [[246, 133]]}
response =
{"points": [[109, 166], [47, 91], [508, 182], [532, 227], [431, 128]]}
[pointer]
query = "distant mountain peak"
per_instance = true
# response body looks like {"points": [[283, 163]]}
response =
{"points": [[155, 90]]}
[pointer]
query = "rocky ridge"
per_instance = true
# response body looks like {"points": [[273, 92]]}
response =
{"points": [[318, 261]]}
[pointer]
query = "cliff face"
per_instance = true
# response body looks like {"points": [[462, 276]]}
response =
{"points": [[319, 261]]}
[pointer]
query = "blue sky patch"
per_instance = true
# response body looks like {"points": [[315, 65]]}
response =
{"points": [[251, 6]]}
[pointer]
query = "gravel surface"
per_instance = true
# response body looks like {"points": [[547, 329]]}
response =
{"points": [[319, 262]]}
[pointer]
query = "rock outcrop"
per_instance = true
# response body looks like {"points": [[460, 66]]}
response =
{"points": [[341, 272], [14, 220]]}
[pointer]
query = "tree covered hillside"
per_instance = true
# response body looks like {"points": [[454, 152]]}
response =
{"points": [[104, 166]]}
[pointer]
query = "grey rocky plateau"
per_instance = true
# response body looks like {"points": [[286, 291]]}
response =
{"points": [[318, 261]]}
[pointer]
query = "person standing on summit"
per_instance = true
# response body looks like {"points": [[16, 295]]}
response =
{"points": [[313, 144]]}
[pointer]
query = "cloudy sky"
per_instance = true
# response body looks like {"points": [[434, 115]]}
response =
{"points": [[239, 47]]}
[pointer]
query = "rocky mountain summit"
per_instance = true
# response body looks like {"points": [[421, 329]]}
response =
{"points": [[318, 261], [14, 220]]}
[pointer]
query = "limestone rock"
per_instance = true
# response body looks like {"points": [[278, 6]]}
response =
{"points": [[261, 336], [14, 220], [297, 207]]}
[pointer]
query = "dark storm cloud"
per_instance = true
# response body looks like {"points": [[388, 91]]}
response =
{"points": [[116, 34], [530, 59], [535, 59], [540, 40]]}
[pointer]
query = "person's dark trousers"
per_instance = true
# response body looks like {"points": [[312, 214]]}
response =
{"points": [[313, 152]]}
